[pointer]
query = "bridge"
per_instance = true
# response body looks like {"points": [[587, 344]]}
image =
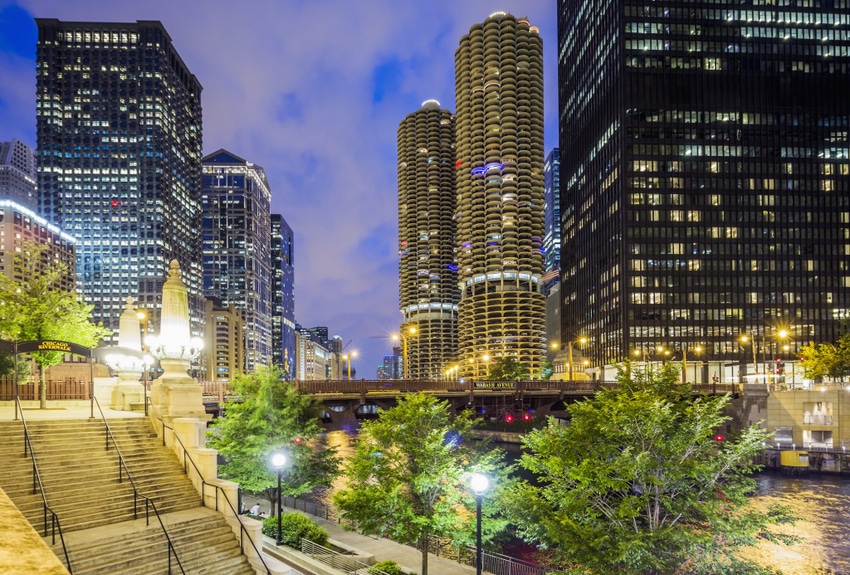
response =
{"points": [[347, 402]]}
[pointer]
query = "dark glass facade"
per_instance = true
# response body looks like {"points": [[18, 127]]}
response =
{"points": [[119, 160], [283, 296], [704, 188]]}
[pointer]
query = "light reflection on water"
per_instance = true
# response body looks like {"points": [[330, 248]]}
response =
{"points": [[823, 504], [821, 501]]}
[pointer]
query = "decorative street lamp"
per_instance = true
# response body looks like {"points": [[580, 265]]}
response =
{"points": [[411, 331], [582, 341], [479, 483], [347, 357], [685, 349], [278, 461]]}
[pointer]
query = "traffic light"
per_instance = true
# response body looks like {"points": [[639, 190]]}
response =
{"points": [[526, 416], [718, 437], [509, 418]]}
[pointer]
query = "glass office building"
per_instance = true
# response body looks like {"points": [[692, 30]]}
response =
{"points": [[119, 160], [704, 177], [283, 296]]}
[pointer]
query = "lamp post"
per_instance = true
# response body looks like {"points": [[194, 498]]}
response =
{"points": [[696, 349], [143, 317], [347, 357], [582, 341], [411, 331], [479, 484], [278, 461]]}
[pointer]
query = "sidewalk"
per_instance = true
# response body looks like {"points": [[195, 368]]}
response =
{"points": [[380, 549]]}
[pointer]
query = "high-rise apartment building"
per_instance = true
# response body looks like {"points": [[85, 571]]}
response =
{"points": [[283, 296], [427, 274], [499, 176], [224, 341], [237, 245], [18, 174], [119, 159], [705, 191]]}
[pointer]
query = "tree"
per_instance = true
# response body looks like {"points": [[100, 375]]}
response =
{"points": [[827, 360], [35, 307], [267, 415], [639, 484], [409, 477], [508, 368]]}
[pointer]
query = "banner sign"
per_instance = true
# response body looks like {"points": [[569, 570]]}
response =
{"points": [[54, 345]]}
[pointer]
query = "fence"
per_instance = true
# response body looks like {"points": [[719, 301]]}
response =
{"points": [[29, 390]]}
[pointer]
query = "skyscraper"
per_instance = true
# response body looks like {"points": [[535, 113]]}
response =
{"points": [[552, 213], [499, 136], [237, 247], [119, 159], [283, 296], [18, 174], [428, 293], [704, 164]]}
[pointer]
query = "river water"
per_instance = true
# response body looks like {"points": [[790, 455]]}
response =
{"points": [[822, 502]]}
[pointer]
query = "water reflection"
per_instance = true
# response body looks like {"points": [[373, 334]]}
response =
{"points": [[821, 501]]}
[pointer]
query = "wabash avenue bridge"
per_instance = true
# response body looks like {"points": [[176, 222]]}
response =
{"points": [[346, 402]]}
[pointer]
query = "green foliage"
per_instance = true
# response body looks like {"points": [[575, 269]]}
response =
{"points": [[409, 476], [637, 485], [389, 567], [265, 416], [827, 360], [295, 526], [546, 371], [508, 368]]}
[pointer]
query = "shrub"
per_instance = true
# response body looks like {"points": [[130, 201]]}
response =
{"points": [[389, 567], [294, 527]]}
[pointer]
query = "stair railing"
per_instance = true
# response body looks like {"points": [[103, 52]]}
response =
{"points": [[149, 503], [187, 459], [37, 487]]}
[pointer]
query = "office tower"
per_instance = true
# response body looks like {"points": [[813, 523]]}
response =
{"points": [[20, 225], [704, 151], [283, 296], [314, 360], [224, 342], [119, 160], [552, 216], [499, 136], [427, 274], [18, 174], [236, 204]]}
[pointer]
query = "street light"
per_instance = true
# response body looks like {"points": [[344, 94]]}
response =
{"points": [[582, 341], [278, 461], [347, 357], [479, 484], [696, 349], [143, 317], [411, 331]]}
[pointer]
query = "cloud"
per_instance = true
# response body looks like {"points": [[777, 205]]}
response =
{"points": [[313, 92]]}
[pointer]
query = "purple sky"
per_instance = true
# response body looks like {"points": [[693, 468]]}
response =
{"points": [[313, 91]]}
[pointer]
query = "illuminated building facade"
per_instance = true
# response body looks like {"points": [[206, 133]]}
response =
{"points": [[499, 175], [427, 274], [18, 174], [224, 341], [119, 160], [283, 296], [20, 225], [237, 245], [705, 162], [552, 213]]}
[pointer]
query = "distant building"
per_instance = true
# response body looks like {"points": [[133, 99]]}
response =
{"points": [[390, 368], [552, 214], [18, 174], [119, 160], [499, 177], [314, 359], [19, 225], [237, 245], [704, 178], [224, 348], [427, 274], [283, 296]]}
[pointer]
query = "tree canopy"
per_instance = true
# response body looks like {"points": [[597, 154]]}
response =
{"points": [[638, 484], [826, 359], [268, 415], [35, 307], [409, 477], [508, 368]]}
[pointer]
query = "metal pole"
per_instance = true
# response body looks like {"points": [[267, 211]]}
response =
{"points": [[15, 381], [404, 354], [478, 552], [279, 508], [571, 362], [684, 365]]}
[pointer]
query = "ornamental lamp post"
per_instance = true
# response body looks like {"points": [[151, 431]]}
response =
{"points": [[582, 341], [479, 483], [278, 461]]}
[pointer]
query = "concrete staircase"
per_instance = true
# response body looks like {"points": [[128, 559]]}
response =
{"points": [[81, 481]]}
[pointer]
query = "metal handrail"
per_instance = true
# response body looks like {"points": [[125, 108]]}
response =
{"points": [[188, 458], [336, 560], [37, 487], [148, 501]]}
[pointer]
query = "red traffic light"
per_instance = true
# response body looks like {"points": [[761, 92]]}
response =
{"points": [[526, 416], [509, 418], [718, 437]]}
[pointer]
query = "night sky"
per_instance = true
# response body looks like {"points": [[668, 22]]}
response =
{"points": [[312, 91]]}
